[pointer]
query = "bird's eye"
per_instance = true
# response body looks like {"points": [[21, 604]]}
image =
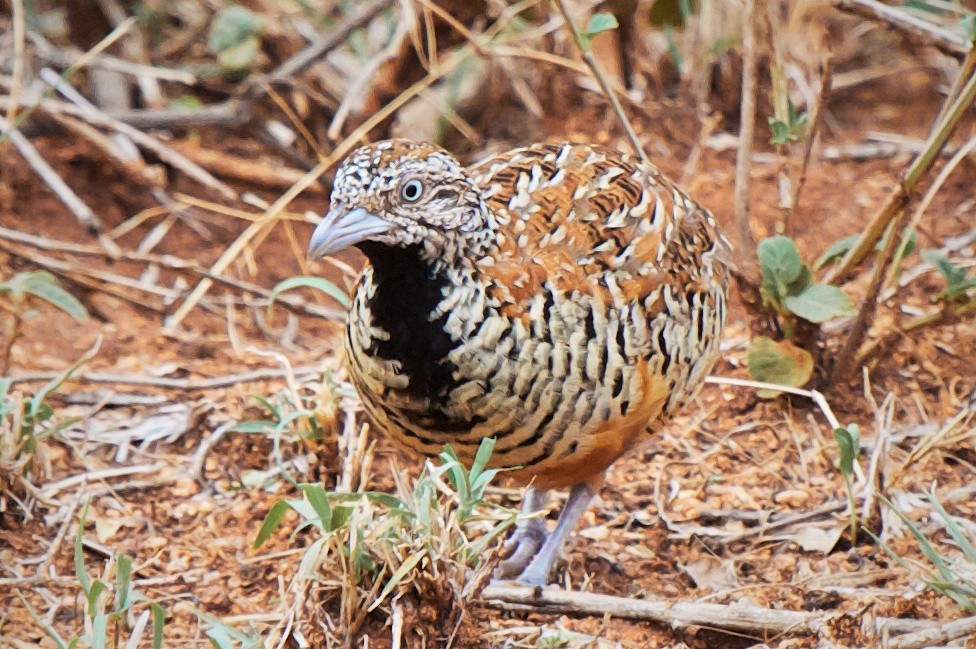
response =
{"points": [[411, 190]]}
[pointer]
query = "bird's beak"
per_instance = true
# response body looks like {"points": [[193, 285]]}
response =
{"points": [[341, 229]]}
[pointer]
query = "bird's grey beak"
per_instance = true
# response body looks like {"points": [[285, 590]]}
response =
{"points": [[340, 229]]}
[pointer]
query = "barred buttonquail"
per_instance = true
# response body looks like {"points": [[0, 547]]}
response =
{"points": [[563, 298]]}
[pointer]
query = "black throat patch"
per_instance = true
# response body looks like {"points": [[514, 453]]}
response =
{"points": [[407, 292]]}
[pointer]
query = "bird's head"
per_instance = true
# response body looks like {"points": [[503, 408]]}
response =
{"points": [[406, 195]]}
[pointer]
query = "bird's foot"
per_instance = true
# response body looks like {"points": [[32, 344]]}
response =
{"points": [[524, 543]]}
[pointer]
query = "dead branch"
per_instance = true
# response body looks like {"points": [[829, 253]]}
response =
{"points": [[230, 113], [945, 40], [65, 194], [67, 57], [173, 263], [326, 44], [245, 169], [134, 47], [936, 634], [748, 262], [891, 219], [165, 152], [743, 618], [225, 381], [604, 82]]}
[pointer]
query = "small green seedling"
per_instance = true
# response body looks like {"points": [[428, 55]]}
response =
{"points": [[235, 37], [849, 442], [951, 576], [106, 604], [790, 128], [958, 282], [599, 23], [788, 290]]}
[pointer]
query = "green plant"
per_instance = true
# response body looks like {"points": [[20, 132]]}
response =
{"points": [[953, 576], [107, 604], [789, 292], [959, 283], [225, 636], [16, 294], [426, 543], [235, 37], [25, 421], [849, 442], [789, 127]]}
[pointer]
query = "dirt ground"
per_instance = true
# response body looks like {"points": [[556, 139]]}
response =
{"points": [[678, 519]]}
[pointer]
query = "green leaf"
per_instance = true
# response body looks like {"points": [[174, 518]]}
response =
{"points": [[99, 636], [49, 630], [778, 362], [159, 621], [231, 26], [598, 24], [51, 292], [849, 442], [123, 583], [240, 57], [958, 282], [968, 24], [958, 535], [780, 132], [97, 588], [780, 263], [44, 285], [819, 303], [409, 564], [79, 555], [254, 427], [318, 283], [319, 500], [835, 251], [271, 522]]}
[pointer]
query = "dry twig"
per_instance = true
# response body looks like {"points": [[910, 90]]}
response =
{"points": [[734, 617], [748, 261], [946, 40]]}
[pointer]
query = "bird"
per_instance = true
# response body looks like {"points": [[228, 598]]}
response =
{"points": [[565, 299]]}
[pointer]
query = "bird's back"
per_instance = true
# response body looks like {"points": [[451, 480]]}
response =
{"points": [[595, 316]]}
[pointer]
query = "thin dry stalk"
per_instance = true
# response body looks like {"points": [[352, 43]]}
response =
{"points": [[891, 219], [336, 37], [898, 199], [82, 61], [923, 205], [20, 55], [826, 81], [947, 41], [165, 152], [71, 57], [134, 47], [65, 194], [736, 617], [748, 260], [602, 79]]}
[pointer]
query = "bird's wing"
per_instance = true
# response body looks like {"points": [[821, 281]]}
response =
{"points": [[586, 219]]}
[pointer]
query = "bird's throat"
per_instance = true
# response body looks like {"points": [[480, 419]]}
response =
{"points": [[405, 293]]}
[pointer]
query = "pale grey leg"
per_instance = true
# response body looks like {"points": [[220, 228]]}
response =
{"points": [[537, 572], [529, 535]]}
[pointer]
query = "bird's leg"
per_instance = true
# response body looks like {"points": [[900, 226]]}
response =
{"points": [[537, 572], [529, 535]]}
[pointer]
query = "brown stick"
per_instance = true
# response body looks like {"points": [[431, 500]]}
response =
{"points": [[245, 169], [320, 48], [736, 617], [748, 261], [899, 198], [604, 82], [945, 40]]}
